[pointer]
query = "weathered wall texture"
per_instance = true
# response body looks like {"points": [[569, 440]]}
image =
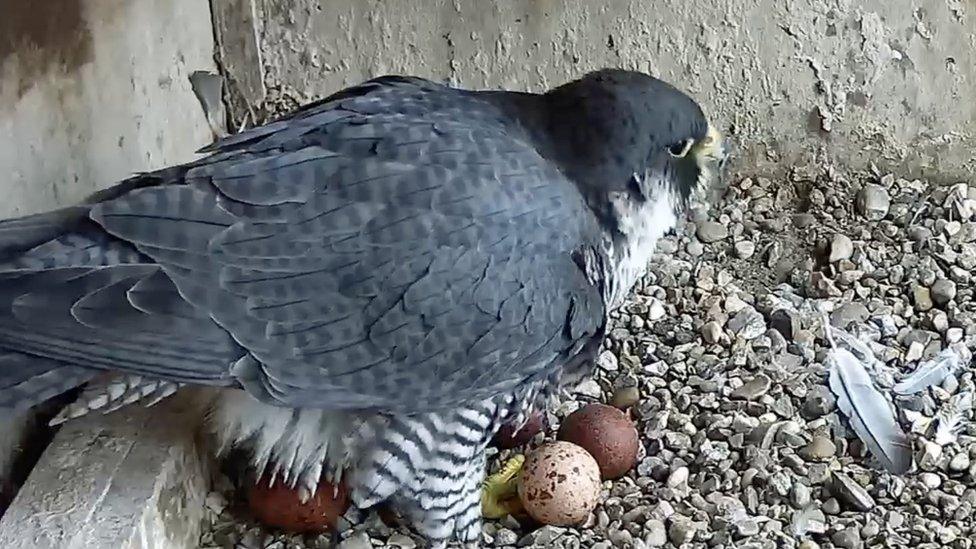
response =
{"points": [[890, 81], [93, 90]]}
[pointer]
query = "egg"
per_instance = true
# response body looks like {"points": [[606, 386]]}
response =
{"points": [[508, 438], [280, 507], [559, 484], [607, 434]]}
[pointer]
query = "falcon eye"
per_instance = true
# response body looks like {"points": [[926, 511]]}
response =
{"points": [[680, 149]]}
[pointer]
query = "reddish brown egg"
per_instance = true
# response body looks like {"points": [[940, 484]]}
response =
{"points": [[281, 507], [607, 434], [507, 437]]}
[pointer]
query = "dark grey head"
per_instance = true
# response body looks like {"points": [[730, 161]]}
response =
{"points": [[625, 131]]}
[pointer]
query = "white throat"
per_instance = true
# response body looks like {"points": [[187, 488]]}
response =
{"points": [[642, 224]]}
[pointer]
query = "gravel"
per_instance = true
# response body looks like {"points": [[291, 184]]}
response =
{"points": [[718, 357]]}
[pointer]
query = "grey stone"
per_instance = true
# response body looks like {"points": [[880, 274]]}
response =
{"points": [[848, 538], [657, 534], [959, 462], [852, 493], [712, 231], [712, 332], [682, 530], [752, 389], [589, 388], [356, 541], [841, 247], [820, 448], [800, 495], [943, 291], [748, 324], [402, 541], [930, 480], [848, 313], [922, 298], [744, 249], [873, 202], [504, 536], [625, 397]]}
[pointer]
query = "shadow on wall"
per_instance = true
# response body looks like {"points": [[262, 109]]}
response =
{"points": [[47, 36]]}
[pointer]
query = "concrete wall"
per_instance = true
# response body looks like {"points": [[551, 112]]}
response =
{"points": [[890, 81], [93, 90]]}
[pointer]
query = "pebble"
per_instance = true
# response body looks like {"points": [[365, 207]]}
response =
{"points": [[852, 493], [752, 389], [625, 397], [922, 297], [959, 462], [744, 249], [712, 231], [682, 530], [657, 534], [820, 448], [849, 313], [356, 541], [943, 291], [608, 361], [748, 324], [402, 541], [873, 202], [831, 506], [589, 388], [504, 536], [800, 495], [848, 538], [712, 332], [678, 478], [841, 247], [819, 402], [930, 480]]}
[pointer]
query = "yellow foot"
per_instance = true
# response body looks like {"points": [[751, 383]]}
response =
{"points": [[499, 495]]}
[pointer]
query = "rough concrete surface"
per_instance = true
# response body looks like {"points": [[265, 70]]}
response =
{"points": [[135, 479], [93, 90], [796, 81]]}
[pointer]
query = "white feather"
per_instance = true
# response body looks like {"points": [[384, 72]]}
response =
{"points": [[869, 413], [929, 373], [951, 418]]}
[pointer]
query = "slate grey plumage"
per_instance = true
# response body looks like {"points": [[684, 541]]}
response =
{"points": [[390, 272]]}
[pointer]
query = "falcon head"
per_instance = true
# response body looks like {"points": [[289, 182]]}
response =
{"points": [[625, 135], [638, 149]]}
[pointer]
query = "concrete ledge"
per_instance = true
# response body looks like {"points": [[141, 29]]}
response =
{"points": [[135, 479]]}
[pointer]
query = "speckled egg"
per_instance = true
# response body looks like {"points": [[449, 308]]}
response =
{"points": [[508, 437], [560, 484], [281, 507], [607, 434]]}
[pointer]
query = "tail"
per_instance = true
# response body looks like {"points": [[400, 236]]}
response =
{"points": [[59, 272], [27, 380]]}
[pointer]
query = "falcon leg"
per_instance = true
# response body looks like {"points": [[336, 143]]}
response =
{"points": [[499, 497], [455, 510]]}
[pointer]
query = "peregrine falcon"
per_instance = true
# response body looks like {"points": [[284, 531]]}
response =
{"points": [[378, 280]]}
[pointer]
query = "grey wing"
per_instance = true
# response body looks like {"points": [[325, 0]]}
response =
{"points": [[394, 248]]}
